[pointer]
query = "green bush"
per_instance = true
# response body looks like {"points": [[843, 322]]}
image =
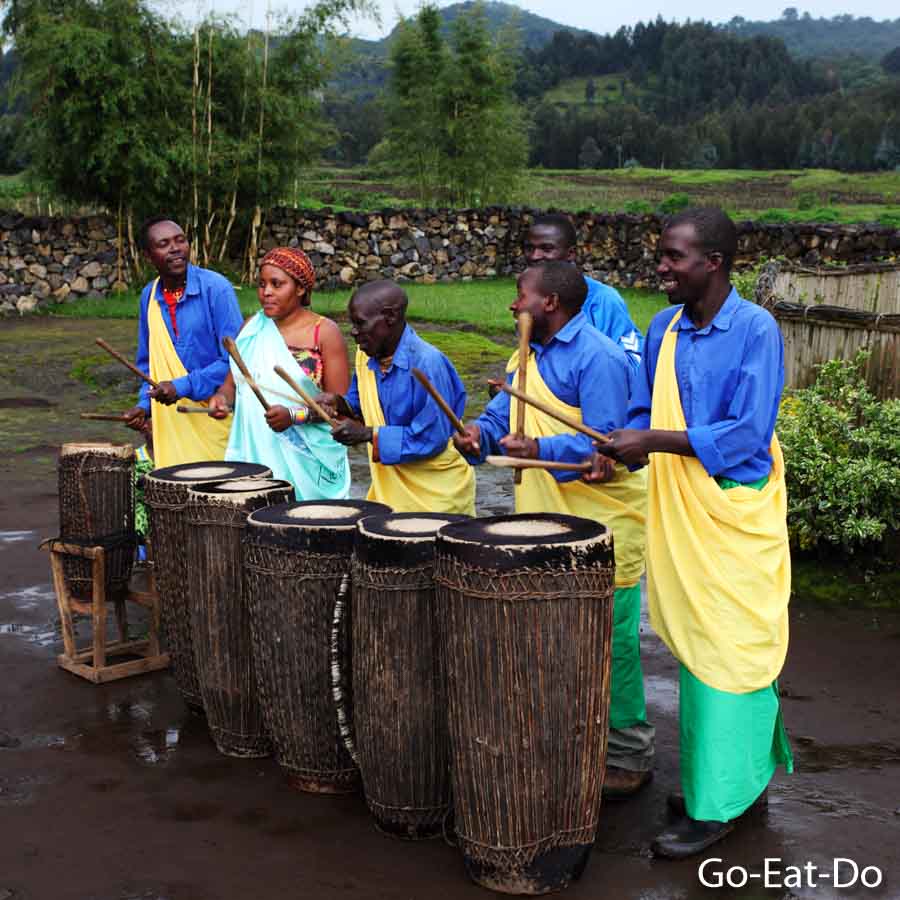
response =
{"points": [[774, 216], [824, 214], [674, 203], [842, 456], [637, 207]]}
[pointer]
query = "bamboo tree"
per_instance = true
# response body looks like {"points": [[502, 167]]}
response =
{"points": [[252, 247], [195, 92]]}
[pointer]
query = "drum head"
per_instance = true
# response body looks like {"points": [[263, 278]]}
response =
{"points": [[408, 526], [318, 514], [241, 488], [214, 470], [538, 539], [99, 448]]}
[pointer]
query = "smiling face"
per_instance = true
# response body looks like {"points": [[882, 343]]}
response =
{"points": [[685, 270], [546, 242], [531, 298], [279, 295], [168, 250]]}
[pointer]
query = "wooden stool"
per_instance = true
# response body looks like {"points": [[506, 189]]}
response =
{"points": [[92, 662]]}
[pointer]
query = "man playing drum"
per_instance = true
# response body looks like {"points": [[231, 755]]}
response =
{"points": [[703, 413], [413, 466], [584, 375], [185, 312]]}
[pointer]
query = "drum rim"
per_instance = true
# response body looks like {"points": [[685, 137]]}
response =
{"points": [[104, 448], [415, 537], [582, 531], [209, 491], [260, 518], [163, 473]]}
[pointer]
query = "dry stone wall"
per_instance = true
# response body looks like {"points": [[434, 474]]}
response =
{"points": [[45, 261]]}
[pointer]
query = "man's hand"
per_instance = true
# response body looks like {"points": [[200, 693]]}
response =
{"points": [[602, 469], [627, 445], [135, 417], [165, 393], [470, 445], [349, 432], [520, 447], [219, 407], [279, 418]]}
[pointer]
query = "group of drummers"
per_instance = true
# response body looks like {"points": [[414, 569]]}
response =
{"points": [[689, 477]]}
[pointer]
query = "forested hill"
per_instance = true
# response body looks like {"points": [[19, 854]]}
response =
{"points": [[808, 38]]}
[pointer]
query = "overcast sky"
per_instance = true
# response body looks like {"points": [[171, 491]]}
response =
{"points": [[588, 14]]}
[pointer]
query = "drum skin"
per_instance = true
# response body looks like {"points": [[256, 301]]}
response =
{"points": [[166, 495], [216, 515], [96, 508], [295, 555], [399, 688], [527, 616]]}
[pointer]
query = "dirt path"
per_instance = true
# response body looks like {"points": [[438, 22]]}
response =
{"points": [[116, 792]]}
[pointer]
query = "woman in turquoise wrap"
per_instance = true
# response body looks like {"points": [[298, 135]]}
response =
{"points": [[287, 333]]}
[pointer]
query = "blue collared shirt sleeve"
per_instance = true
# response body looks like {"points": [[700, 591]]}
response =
{"points": [[352, 396], [429, 430], [226, 320], [723, 444], [494, 425], [606, 310], [142, 359], [604, 384]]}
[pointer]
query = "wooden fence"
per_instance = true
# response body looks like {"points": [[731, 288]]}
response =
{"points": [[829, 314]]}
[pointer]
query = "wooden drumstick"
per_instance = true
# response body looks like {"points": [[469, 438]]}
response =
{"points": [[105, 417], [525, 323], [455, 421], [513, 462], [309, 401], [128, 365], [196, 409], [554, 414], [232, 349]]}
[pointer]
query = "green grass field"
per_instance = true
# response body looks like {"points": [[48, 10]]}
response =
{"points": [[483, 305]]}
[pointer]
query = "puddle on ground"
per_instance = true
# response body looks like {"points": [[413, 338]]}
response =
{"points": [[16, 537], [43, 635], [662, 694], [813, 757], [29, 598]]}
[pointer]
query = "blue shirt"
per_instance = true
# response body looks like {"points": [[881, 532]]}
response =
{"points": [[581, 367], [207, 312], [607, 312], [730, 375], [415, 427]]}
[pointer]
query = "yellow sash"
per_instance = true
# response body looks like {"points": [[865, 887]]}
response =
{"points": [[444, 483], [178, 438], [719, 571], [620, 504]]}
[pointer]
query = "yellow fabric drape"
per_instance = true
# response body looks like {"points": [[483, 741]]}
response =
{"points": [[719, 570], [620, 504], [444, 483], [178, 438]]}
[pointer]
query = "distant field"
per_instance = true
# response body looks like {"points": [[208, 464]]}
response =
{"points": [[482, 304], [608, 89]]}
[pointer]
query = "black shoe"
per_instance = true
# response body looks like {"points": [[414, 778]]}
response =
{"points": [[689, 837], [675, 802]]}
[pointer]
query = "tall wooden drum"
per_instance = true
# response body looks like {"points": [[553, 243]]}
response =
{"points": [[96, 508], [527, 603], [295, 557], [166, 497], [216, 515], [399, 687]]}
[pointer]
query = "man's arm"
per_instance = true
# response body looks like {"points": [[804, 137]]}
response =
{"points": [[142, 358]]}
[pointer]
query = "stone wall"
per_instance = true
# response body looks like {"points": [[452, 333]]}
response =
{"points": [[45, 261], [51, 260], [444, 245]]}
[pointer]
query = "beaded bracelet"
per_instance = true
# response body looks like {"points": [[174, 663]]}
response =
{"points": [[299, 415]]}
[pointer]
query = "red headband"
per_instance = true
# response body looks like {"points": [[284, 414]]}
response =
{"points": [[293, 261]]}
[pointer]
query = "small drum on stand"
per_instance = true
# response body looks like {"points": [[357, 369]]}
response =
{"points": [[166, 497], [216, 516], [96, 509], [527, 603], [399, 687], [295, 558]]}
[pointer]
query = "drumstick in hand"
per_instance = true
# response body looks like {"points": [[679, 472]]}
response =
{"points": [[309, 401], [105, 417], [524, 341], [232, 349], [128, 365], [195, 409], [554, 414], [514, 462]]}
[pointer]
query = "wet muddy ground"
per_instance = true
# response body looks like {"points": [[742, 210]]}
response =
{"points": [[117, 793]]}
